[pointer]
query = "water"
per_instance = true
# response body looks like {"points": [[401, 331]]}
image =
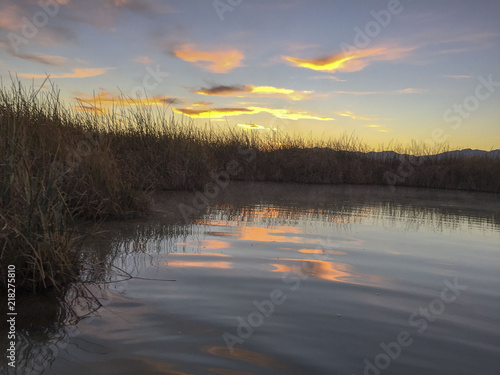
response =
{"points": [[288, 279]]}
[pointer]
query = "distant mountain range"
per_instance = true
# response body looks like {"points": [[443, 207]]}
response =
{"points": [[465, 153]]}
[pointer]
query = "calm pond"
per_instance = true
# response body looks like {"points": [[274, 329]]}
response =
{"points": [[283, 279]]}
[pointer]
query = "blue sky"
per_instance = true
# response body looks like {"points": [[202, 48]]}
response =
{"points": [[386, 70]]}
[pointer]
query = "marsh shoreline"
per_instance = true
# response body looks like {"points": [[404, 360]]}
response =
{"points": [[62, 167]]}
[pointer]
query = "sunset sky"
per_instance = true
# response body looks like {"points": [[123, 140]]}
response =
{"points": [[386, 70]]}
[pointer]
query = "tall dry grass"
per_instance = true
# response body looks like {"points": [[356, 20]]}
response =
{"points": [[55, 169]]}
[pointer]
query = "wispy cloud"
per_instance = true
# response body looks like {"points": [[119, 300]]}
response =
{"points": [[214, 112], [219, 113], [271, 91], [376, 127], [296, 47], [143, 60], [106, 13], [329, 77], [201, 104], [452, 51], [42, 59], [443, 42], [458, 76], [360, 92], [105, 98], [10, 16], [55, 36], [354, 116], [409, 90], [218, 61], [77, 73], [256, 91], [275, 6], [252, 127], [14, 16], [138, 6], [473, 38], [290, 114], [101, 103], [353, 61]]}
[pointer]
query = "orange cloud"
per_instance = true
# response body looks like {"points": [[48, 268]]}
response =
{"points": [[99, 104], [352, 61], [411, 90], [77, 73], [325, 64], [271, 92], [10, 17], [376, 126], [354, 116], [213, 112], [201, 104], [143, 60], [108, 100], [220, 61], [218, 113], [256, 91]]}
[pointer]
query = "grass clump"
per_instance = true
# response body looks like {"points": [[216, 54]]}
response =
{"points": [[49, 184]]}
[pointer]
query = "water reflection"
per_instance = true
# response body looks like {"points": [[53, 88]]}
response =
{"points": [[254, 359], [266, 234], [240, 247], [316, 268], [187, 260], [408, 216], [44, 324], [47, 325]]}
